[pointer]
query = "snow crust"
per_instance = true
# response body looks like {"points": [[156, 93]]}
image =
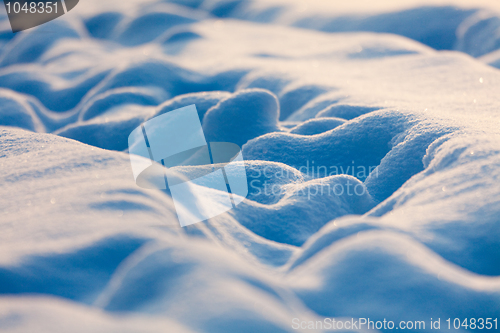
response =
{"points": [[403, 117]]}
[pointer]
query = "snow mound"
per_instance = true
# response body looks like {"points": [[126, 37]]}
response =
{"points": [[471, 29], [48, 314], [14, 111], [456, 167], [394, 272], [345, 111], [356, 148], [317, 126], [479, 34], [242, 117], [294, 218], [492, 59], [372, 164]]}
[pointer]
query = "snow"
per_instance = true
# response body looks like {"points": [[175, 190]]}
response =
{"points": [[317, 126], [242, 117], [371, 144]]}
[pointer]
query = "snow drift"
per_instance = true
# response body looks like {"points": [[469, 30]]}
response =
{"points": [[372, 155]]}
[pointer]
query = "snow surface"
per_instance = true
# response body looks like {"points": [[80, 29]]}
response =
{"points": [[358, 96]]}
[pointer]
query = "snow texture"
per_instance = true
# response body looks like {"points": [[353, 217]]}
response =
{"points": [[371, 140]]}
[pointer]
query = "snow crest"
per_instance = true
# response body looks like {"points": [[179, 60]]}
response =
{"points": [[372, 161]]}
